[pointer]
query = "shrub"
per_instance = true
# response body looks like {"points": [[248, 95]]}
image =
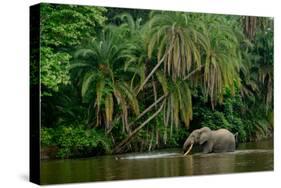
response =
{"points": [[75, 141]]}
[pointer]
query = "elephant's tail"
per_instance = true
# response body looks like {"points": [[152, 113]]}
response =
{"points": [[236, 139]]}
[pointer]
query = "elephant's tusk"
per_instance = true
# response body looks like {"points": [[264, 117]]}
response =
{"points": [[188, 150]]}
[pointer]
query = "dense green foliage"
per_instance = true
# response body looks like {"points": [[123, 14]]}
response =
{"points": [[75, 141], [141, 80], [63, 28]]}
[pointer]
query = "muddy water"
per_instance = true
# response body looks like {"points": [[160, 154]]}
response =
{"points": [[256, 156]]}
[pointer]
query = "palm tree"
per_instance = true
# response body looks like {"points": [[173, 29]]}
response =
{"points": [[135, 53], [178, 103], [259, 68], [103, 82], [177, 41], [188, 45], [205, 54], [222, 57], [257, 76]]}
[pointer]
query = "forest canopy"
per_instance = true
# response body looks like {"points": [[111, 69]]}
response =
{"points": [[123, 80]]}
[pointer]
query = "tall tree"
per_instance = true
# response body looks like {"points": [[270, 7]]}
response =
{"points": [[63, 28], [101, 78]]}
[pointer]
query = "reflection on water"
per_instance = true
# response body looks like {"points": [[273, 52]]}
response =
{"points": [[249, 157]]}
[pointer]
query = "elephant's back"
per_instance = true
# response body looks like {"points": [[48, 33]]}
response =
{"points": [[225, 140], [223, 131], [224, 134]]}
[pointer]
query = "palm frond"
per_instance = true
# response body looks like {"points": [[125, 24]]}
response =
{"points": [[130, 95], [163, 81], [88, 78]]}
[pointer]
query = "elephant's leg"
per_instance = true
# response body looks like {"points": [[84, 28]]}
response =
{"points": [[227, 147], [231, 147], [207, 147], [205, 150]]}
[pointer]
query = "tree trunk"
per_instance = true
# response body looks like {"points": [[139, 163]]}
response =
{"points": [[128, 139], [193, 72], [148, 109], [154, 90], [151, 73], [153, 70]]}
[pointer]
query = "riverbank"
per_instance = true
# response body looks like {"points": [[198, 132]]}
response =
{"points": [[50, 153]]}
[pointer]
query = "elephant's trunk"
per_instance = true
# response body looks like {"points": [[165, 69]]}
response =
{"points": [[188, 150], [187, 143]]}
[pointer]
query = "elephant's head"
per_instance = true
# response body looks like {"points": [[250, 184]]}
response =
{"points": [[198, 136]]}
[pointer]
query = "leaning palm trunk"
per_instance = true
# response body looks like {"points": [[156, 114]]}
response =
{"points": [[193, 72], [188, 150], [148, 109], [154, 70], [151, 73], [128, 139]]}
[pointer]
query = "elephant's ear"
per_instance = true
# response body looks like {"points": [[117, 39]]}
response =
{"points": [[203, 138]]}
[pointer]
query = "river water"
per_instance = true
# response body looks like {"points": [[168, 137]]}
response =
{"points": [[249, 157]]}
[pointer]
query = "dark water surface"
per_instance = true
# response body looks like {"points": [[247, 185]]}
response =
{"points": [[256, 156]]}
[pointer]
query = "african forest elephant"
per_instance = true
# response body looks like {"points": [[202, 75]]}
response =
{"points": [[217, 141]]}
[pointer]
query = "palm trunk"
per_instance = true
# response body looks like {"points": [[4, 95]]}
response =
{"points": [[151, 73], [193, 72], [148, 109], [127, 140], [154, 90], [154, 69]]}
